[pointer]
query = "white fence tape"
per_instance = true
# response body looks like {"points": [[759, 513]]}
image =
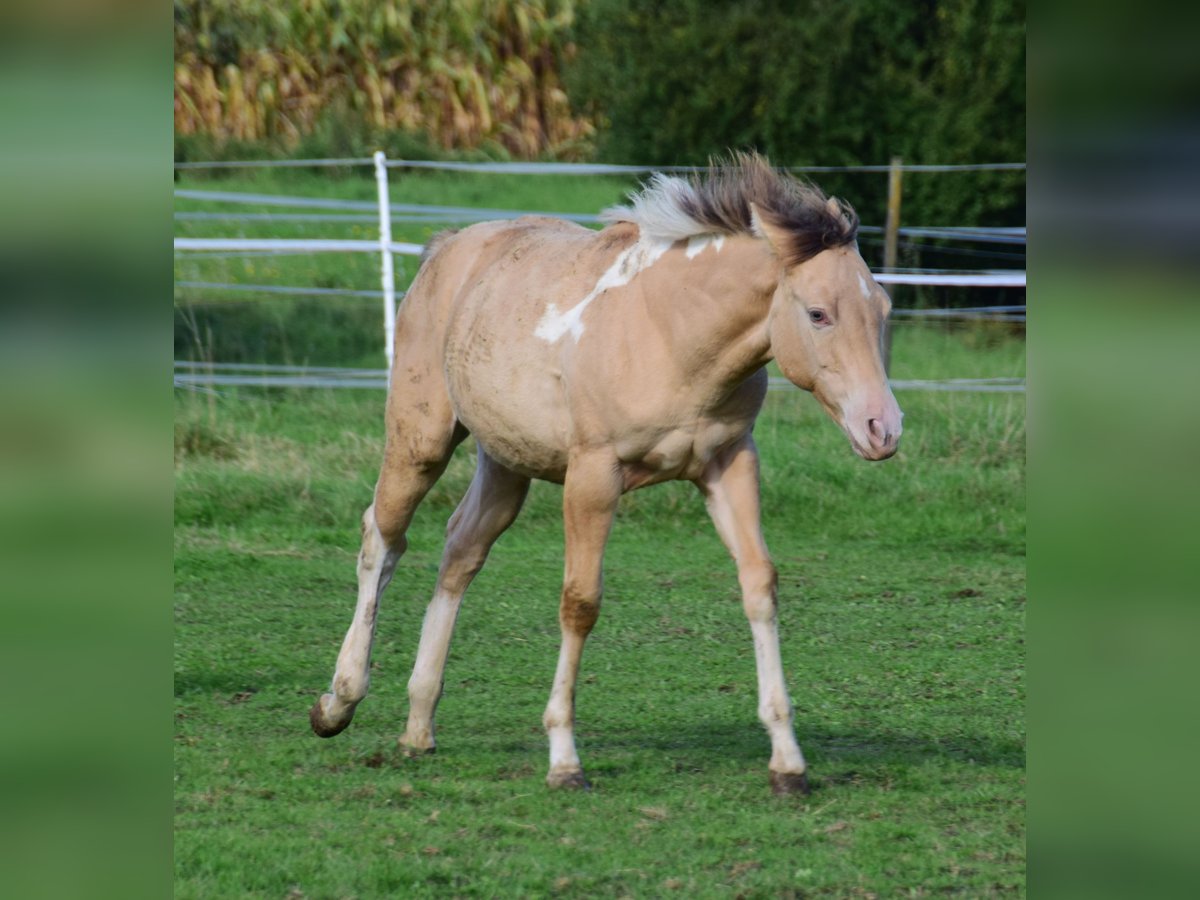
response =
{"points": [[277, 289], [996, 313], [451, 213], [271, 367], [295, 245], [979, 313], [191, 216], [966, 233], [421, 212], [277, 381], [549, 168], [201, 374], [956, 279], [1002, 313], [308, 245]]}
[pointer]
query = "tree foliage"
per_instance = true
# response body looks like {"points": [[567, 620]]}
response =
{"points": [[816, 82], [824, 82]]}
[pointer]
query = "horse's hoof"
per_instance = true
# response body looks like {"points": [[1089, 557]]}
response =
{"points": [[324, 725], [573, 781], [789, 783], [414, 751]]}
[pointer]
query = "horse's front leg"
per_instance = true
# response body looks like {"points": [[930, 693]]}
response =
{"points": [[590, 494], [731, 490]]}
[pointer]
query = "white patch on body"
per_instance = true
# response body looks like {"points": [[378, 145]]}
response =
{"points": [[625, 267], [697, 244], [862, 286]]}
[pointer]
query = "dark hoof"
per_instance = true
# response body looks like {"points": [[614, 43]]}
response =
{"points": [[789, 783], [321, 725], [573, 781]]}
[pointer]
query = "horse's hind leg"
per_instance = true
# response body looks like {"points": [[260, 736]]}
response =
{"points": [[489, 507], [422, 434]]}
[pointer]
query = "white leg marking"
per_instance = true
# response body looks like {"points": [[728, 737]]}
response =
{"points": [[632, 260], [560, 713], [732, 495], [376, 562], [774, 706], [425, 685]]}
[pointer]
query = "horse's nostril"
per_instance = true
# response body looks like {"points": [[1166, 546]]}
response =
{"points": [[876, 429]]}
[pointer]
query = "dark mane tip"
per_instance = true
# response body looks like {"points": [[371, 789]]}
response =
{"points": [[720, 199]]}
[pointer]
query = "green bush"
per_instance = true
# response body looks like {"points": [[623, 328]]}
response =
{"points": [[817, 83]]}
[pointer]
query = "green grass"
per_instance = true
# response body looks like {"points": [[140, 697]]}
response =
{"points": [[902, 597], [902, 610]]}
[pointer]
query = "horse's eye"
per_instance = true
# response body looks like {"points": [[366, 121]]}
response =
{"points": [[818, 317]]}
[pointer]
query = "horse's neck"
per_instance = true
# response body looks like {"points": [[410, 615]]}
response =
{"points": [[721, 300]]}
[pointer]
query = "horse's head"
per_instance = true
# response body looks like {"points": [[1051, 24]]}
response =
{"points": [[826, 324]]}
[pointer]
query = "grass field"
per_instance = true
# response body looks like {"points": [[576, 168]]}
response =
{"points": [[902, 610]]}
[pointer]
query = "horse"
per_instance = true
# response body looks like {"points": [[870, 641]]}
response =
{"points": [[607, 361]]}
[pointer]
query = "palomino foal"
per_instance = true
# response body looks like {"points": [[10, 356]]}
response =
{"points": [[607, 361]]}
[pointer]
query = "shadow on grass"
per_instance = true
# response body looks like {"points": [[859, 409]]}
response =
{"points": [[879, 758], [826, 749], [203, 684]]}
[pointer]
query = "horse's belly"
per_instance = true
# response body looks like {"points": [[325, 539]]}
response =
{"points": [[519, 448], [513, 406]]}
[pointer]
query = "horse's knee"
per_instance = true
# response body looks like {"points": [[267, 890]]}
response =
{"points": [[579, 609]]}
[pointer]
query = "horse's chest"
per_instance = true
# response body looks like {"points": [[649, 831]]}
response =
{"points": [[680, 453]]}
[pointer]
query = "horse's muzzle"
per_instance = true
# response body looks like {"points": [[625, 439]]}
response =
{"points": [[879, 438], [880, 444]]}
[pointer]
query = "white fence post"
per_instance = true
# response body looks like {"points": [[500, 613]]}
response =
{"points": [[385, 252]]}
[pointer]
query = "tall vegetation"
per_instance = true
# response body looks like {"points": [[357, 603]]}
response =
{"points": [[467, 73], [649, 82]]}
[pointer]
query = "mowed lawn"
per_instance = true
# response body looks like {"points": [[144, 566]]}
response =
{"points": [[902, 603]]}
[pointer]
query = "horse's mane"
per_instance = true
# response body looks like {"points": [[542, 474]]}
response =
{"points": [[718, 201]]}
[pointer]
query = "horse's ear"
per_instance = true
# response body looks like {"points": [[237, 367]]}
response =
{"points": [[775, 236]]}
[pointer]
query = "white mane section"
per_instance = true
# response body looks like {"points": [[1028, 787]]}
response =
{"points": [[657, 210]]}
